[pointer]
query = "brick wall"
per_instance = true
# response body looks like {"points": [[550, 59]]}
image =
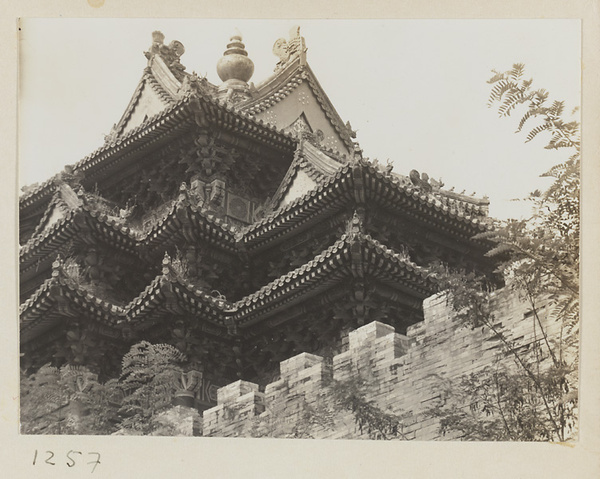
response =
{"points": [[403, 374]]}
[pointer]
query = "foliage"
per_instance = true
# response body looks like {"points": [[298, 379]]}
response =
{"points": [[539, 257], [502, 403], [543, 251], [42, 402], [71, 400], [510, 90], [148, 381], [80, 347], [66, 400], [529, 395], [547, 243], [351, 395], [309, 417], [301, 417]]}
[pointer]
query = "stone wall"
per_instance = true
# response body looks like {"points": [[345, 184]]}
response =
{"points": [[403, 375]]}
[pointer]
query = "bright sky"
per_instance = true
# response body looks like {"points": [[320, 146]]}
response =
{"points": [[415, 90]]}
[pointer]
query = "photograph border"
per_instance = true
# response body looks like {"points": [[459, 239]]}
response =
{"points": [[223, 457]]}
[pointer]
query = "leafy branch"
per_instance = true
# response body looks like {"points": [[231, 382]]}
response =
{"points": [[539, 258]]}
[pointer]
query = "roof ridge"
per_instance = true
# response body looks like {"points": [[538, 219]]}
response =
{"points": [[38, 292], [34, 241], [297, 201], [135, 98], [39, 190], [290, 174], [294, 74], [319, 258]]}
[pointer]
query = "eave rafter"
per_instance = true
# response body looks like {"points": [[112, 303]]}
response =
{"points": [[166, 293], [77, 223], [362, 185], [324, 200], [194, 109], [170, 292], [181, 219], [355, 256], [59, 298], [188, 222], [350, 183]]}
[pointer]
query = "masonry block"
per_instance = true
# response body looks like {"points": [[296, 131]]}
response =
{"points": [[392, 345], [231, 392], [230, 416], [416, 330], [365, 335], [276, 387], [179, 421], [297, 363]]}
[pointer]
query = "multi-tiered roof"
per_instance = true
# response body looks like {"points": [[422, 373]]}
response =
{"points": [[239, 222]]}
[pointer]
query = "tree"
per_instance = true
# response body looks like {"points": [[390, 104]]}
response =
{"points": [[148, 381], [544, 249], [71, 400], [536, 398], [66, 400]]}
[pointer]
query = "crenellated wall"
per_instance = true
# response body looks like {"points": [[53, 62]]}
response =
{"points": [[402, 372]]}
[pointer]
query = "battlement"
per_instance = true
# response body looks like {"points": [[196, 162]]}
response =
{"points": [[402, 373]]}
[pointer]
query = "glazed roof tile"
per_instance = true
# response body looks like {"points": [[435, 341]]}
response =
{"points": [[38, 193], [323, 271], [207, 226], [314, 162], [34, 312], [287, 80], [170, 122], [333, 264], [149, 80], [330, 188], [49, 241], [154, 297], [334, 193], [55, 202], [378, 188]]}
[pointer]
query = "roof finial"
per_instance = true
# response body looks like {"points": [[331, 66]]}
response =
{"points": [[235, 69], [235, 64]]}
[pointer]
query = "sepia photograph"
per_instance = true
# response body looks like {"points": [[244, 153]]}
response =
{"points": [[283, 237], [231, 258]]}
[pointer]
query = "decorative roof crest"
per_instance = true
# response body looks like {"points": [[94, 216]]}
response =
{"points": [[424, 182], [288, 50], [170, 54]]}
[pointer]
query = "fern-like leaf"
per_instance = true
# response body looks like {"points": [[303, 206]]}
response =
{"points": [[536, 131], [499, 90], [497, 77], [557, 108], [528, 114], [517, 71]]}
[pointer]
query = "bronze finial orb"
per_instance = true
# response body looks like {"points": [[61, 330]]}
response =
{"points": [[235, 64]]}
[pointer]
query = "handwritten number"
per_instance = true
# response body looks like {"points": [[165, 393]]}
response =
{"points": [[70, 458], [96, 462], [47, 461]]}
